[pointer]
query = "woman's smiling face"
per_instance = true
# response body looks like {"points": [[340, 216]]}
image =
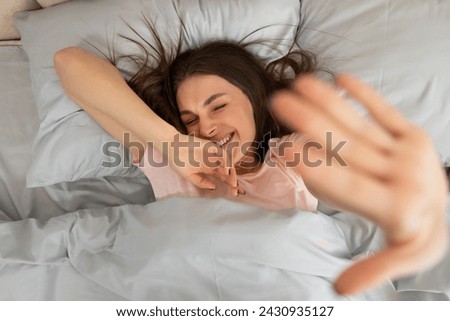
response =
{"points": [[214, 109]]}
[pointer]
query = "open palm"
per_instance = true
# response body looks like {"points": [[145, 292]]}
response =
{"points": [[391, 175]]}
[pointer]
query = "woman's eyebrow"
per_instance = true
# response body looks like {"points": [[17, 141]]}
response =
{"points": [[212, 98], [206, 103]]}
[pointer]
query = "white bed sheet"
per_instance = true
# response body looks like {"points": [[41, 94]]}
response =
{"points": [[195, 249]]}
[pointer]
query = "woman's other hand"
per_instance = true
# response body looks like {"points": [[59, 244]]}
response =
{"points": [[387, 171], [197, 160]]}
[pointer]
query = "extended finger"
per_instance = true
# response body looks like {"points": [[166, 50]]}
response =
{"points": [[201, 181], [326, 99], [326, 133], [378, 108], [214, 160], [230, 179], [228, 172], [241, 190], [367, 273], [393, 262]]}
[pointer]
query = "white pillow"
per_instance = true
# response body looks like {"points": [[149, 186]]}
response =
{"points": [[68, 144], [402, 48]]}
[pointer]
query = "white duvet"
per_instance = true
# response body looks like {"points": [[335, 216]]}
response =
{"points": [[194, 249]]}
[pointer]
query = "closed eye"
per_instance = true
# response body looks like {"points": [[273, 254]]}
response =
{"points": [[219, 107], [190, 122]]}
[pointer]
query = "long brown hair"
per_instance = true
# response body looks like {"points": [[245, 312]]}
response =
{"points": [[162, 69]]}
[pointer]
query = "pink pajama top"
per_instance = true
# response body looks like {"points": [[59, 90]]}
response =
{"points": [[274, 186]]}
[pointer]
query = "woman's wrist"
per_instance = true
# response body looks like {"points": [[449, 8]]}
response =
{"points": [[164, 137]]}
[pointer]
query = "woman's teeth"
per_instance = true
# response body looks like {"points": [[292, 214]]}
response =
{"points": [[223, 141]]}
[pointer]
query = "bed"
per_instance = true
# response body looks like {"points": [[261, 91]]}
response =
{"points": [[71, 229]]}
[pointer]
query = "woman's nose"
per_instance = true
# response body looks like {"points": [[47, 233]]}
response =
{"points": [[208, 128]]}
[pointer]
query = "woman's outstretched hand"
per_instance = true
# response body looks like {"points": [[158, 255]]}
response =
{"points": [[387, 171]]}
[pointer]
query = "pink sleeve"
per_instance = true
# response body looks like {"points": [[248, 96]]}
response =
{"points": [[164, 180]]}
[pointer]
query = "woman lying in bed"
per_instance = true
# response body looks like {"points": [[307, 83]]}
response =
{"points": [[230, 127]]}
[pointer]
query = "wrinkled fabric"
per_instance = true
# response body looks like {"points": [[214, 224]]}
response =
{"points": [[197, 249]]}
